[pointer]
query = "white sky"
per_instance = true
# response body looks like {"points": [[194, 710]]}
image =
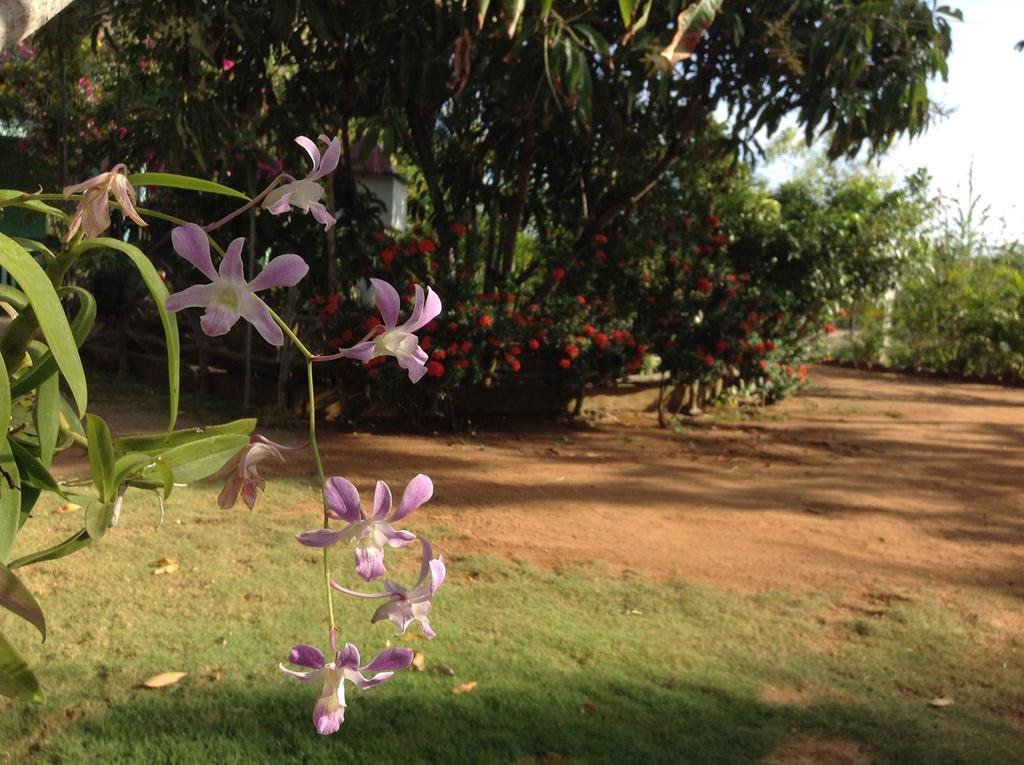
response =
{"points": [[985, 92], [986, 89]]}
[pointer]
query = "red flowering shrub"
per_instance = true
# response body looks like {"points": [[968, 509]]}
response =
{"points": [[701, 295]]}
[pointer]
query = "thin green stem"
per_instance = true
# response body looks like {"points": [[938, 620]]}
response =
{"points": [[291, 335], [140, 210], [323, 480], [316, 454]]}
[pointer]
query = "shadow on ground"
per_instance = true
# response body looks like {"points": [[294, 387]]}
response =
{"points": [[693, 724]]}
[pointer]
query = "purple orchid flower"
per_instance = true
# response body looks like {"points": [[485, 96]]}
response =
{"points": [[370, 532], [242, 474], [403, 607], [392, 338], [329, 712], [408, 606], [229, 296], [306, 194]]}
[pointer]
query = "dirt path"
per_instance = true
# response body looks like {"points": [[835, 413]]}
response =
{"points": [[870, 482], [867, 481]]}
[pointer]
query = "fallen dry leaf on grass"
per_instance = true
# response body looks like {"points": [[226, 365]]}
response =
{"points": [[464, 687], [940, 702], [419, 661], [163, 679], [68, 507], [443, 669], [166, 566]]}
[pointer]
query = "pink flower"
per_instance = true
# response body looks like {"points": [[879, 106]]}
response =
{"points": [[329, 712], [229, 296], [371, 532], [391, 338], [404, 606], [305, 195], [241, 471], [228, 64]]}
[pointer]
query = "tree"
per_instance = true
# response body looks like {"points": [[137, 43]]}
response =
{"points": [[525, 118]]}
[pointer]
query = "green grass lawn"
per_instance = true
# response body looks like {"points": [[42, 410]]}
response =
{"points": [[575, 666]]}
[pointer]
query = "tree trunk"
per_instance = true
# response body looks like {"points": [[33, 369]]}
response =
{"points": [[514, 219], [423, 152], [20, 18], [662, 421]]}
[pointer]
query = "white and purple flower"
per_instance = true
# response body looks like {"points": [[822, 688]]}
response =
{"points": [[392, 338], [404, 606], [407, 606], [229, 296], [373, 532], [329, 712], [305, 195]]}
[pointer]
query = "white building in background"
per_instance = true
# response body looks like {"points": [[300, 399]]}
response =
{"points": [[376, 174]]}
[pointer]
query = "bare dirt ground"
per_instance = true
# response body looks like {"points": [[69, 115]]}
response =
{"points": [[866, 482]]}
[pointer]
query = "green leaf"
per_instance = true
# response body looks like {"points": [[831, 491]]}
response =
{"points": [[16, 679], [513, 12], [68, 546], [545, 9], [29, 497], [10, 500], [50, 315], [13, 198], [481, 15], [15, 597], [70, 424], [101, 456], [595, 38], [644, 15], [626, 8], [130, 464], [33, 246], [15, 297], [45, 366], [32, 471], [166, 477], [47, 418], [576, 64], [187, 182], [158, 291], [195, 461], [97, 518], [585, 102], [5, 399], [161, 442]]}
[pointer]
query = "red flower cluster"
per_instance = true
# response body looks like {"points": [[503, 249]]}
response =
{"points": [[330, 304]]}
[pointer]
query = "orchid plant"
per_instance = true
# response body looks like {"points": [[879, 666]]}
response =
{"points": [[41, 346]]}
